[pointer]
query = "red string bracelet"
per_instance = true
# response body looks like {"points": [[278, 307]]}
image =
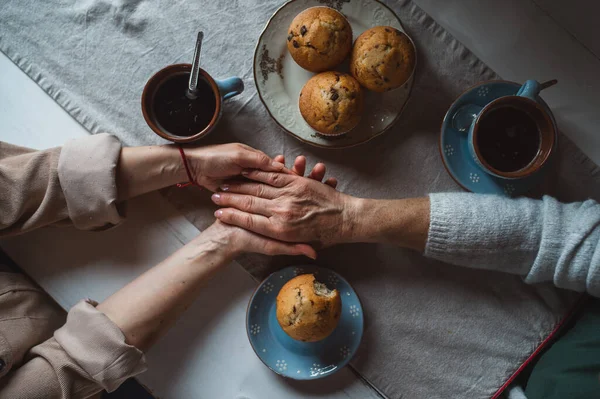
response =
{"points": [[191, 180]]}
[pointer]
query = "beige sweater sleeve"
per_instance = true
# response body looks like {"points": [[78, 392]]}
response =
{"points": [[86, 355], [73, 185]]}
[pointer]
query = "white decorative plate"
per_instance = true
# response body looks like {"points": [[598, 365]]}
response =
{"points": [[279, 79]]}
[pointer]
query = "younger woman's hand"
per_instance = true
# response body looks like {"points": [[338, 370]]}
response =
{"points": [[234, 241], [213, 164]]}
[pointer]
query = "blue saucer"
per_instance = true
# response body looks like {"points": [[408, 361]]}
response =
{"points": [[455, 153], [295, 359]]}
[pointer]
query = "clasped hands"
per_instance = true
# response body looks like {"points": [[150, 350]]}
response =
{"points": [[267, 208]]}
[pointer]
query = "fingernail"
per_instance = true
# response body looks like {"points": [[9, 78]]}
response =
{"points": [[225, 187], [245, 173], [216, 197], [276, 164], [219, 213]]}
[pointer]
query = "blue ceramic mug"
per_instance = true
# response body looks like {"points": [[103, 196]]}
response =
{"points": [[469, 117], [209, 107]]}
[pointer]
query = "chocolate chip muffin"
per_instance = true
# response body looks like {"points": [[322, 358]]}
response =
{"points": [[319, 38], [331, 103], [383, 58], [307, 310]]}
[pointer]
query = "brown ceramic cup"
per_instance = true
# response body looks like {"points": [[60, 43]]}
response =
{"points": [[543, 122], [221, 91]]}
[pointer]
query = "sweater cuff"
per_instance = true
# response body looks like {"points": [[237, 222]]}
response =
{"points": [[441, 219], [98, 346], [87, 172], [484, 231]]}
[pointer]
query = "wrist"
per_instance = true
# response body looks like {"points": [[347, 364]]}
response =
{"points": [[145, 169], [404, 222], [371, 219], [352, 219], [217, 241], [174, 163]]}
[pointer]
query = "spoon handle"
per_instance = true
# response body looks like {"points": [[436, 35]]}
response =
{"points": [[547, 84], [195, 74]]}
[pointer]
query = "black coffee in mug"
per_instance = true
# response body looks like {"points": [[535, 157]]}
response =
{"points": [[179, 115], [508, 139]]}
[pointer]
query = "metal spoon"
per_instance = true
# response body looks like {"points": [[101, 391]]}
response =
{"points": [[192, 91], [547, 84]]}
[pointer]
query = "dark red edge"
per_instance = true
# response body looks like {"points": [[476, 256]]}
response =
{"points": [[578, 304]]}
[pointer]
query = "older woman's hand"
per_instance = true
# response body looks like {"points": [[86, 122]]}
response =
{"points": [[287, 207], [317, 173]]}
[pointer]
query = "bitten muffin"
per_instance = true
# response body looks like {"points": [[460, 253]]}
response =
{"points": [[319, 39], [307, 310], [383, 58], [331, 103]]}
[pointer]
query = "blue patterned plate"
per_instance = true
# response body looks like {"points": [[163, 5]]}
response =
{"points": [[455, 152], [296, 359]]}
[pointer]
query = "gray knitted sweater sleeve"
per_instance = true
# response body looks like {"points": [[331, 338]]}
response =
{"points": [[542, 240]]}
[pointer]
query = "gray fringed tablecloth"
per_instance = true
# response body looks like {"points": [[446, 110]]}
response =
{"points": [[432, 330]]}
